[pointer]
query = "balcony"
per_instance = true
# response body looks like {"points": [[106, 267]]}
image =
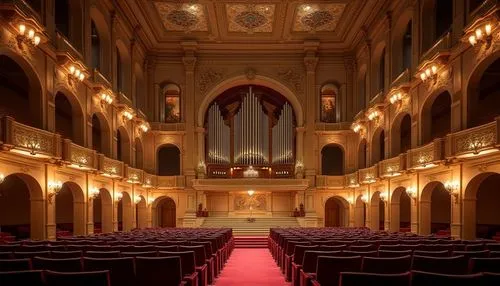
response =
{"points": [[403, 79], [352, 180], [133, 175], [79, 157], [110, 168], [323, 126], [378, 98], [443, 45], [66, 50], [392, 167], [100, 80], [172, 127], [171, 182], [27, 140], [483, 10], [475, 141], [427, 156], [18, 8], [368, 175], [330, 182], [150, 181]]}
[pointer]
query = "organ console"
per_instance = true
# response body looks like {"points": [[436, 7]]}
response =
{"points": [[250, 134]]}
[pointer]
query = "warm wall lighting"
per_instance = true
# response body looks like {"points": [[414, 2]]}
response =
{"points": [[482, 35], [383, 197], [94, 193], [150, 201], [75, 73], [364, 199], [118, 196], [2, 178], [27, 35], [429, 73], [452, 187], [137, 199], [396, 98], [54, 188], [105, 98], [374, 115], [127, 115], [358, 128], [412, 192], [144, 127], [251, 192]]}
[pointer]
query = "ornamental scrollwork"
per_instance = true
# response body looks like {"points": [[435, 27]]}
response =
{"points": [[208, 78], [476, 140], [35, 142], [292, 78]]}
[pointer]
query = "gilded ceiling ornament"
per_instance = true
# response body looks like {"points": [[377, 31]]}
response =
{"points": [[250, 18], [318, 17], [183, 17]]}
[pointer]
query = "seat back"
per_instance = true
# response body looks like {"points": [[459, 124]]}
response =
{"points": [[16, 278], [442, 253], [31, 254], [199, 253], [474, 247], [471, 254], [489, 246], [387, 265], [421, 278], [66, 254], [188, 262], [329, 267], [158, 270], [298, 253], [141, 254], [394, 253], [333, 247], [59, 265], [94, 278], [491, 278], [21, 264], [310, 260], [103, 254], [479, 264], [121, 270], [372, 253], [356, 279], [6, 255], [366, 247], [167, 248], [442, 265]]}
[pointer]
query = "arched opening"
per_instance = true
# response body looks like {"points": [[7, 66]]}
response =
{"points": [[401, 135], [481, 211], [402, 44], [101, 45], [23, 92], [171, 103], [142, 213], [407, 47], [123, 69], [377, 209], [103, 212], [168, 160], [436, 117], [360, 212], [36, 5], [22, 207], [436, 24], [165, 213], [70, 210], [362, 89], [435, 209], [122, 145], [69, 21], [483, 96], [380, 86], [400, 211], [140, 92], [95, 42], [336, 212], [378, 146], [362, 154], [124, 213], [328, 103], [332, 160], [68, 118], [100, 134], [138, 154]]}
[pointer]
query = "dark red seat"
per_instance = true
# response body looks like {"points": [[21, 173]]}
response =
{"points": [[442, 253], [479, 264], [66, 254], [95, 278], [6, 255], [357, 279], [298, 257], [442, 265], [141, 254], [201, 262], [329, 267], [31, 254], [474, 247], [158, 270], [420, 278], [288, 257], [394, 253], [471, 254], [489, 246], [491, 278], [387, 265], [188, 265], [121, 270], [59, 265], [309, 264], [17, 278], [21, 264], [366, 247], [103, 254], [372, 253]]}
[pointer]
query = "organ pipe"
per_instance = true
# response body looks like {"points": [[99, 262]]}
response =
{"points": [[283, 137], [218, 136]]}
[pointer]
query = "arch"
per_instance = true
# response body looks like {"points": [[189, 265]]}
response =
{"points": [[17, 64], [170, 103], [401, 134], [142, 213], [362, 150], [359, 212], [400, 214], [332, 160], [164, 212], [69, 119], [402, 44], [436, 116], [168, 157], [435, 209], [104, 39], [101, 134], [480, 206], [140, 89], [336, 212], [436, 24], [378, 145], [122, 145], [125, 213], [139, 153], [257, 80], [68, 18], [362, 88], [103, 212], [328, 99], [483, 98], [123, 69], [377, 212], [22, 207], [70, 209], [379, 65]]}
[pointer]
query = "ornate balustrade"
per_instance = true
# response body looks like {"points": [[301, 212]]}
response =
{"points": [[474, 141], [110, 168], [426, 156], [150, 181], [159, 126], [79, 157], [392, 167], [66, 49], [28, 140], [123, 99], [171, 182], [368, 175], [403, 79], [99, 79], [378, 98], [329, 182], [133, 175], [352, 180], [442, 45], [321, 126]]}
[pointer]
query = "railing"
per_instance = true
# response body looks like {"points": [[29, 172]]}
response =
{"points": [[426, 156], [111, 168], [150, 181], [323, 181], [159, 126], [171, 181], [392, 167], [78, 156], [403, 78], [28, 140], [474, 141], [20, 7], [323, 126], [352, 180], [368, 175], [442, 45], [482, 10], [133, 175], [123, 99], [64, 45], [378, 98], [99, 79]]}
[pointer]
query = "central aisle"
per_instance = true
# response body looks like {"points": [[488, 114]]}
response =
{"points": [[251, 266]]}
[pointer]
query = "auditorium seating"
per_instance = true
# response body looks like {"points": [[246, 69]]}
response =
{"points": [[359, 256], [141, 257]]}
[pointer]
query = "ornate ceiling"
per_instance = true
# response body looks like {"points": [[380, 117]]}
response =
{"points": [[255, 22]]}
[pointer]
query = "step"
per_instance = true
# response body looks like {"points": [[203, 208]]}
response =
{"points": [[250, 242]]}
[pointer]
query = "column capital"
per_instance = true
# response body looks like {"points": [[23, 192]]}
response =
{"points": [[311, 62], [189, 63]]}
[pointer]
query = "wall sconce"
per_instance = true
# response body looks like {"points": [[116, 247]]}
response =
{"points": [[33, 144], [144, 127], [251, 192], [137, 199], [94, 193], [412, 192], [452, 187], [118, 197], [374, 115], [369, 178], [147, 184], [2, 178], [75, 74], [27, 35], [105, 99], [396, 98], [54, 188], [127, 115], [150, 201], [481, 35], [383, 197], [353, 183], [429, 73], [358, 128], [364, 199]]}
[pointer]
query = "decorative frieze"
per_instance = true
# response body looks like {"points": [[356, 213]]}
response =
{"points": [[473, 141], [426, 156]]}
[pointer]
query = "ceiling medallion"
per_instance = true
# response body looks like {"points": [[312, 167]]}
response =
{"points": [[320, 17], [317, 19], [182, 18], [250, 19]]}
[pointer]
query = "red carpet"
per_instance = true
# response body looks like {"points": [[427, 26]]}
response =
{"points": [[251, 267]]}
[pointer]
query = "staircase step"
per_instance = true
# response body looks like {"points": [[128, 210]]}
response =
{"points": [[250, 242]]}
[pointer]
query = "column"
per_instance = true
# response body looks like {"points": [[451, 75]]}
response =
{"points": [[299, 153], [310, 63], [456, 203], [200, 131], [189, 61], [348, 97], [153, 91]]}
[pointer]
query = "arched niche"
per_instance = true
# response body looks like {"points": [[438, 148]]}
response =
{"points": [[378, 145], [362, 151], [359, 212], [140, 89], [170, 103], [142, 213], [70, 209], [68, 17], [401, 134], [139, 153], [379, 65], [328, 103], [103, 212], [123, 69], [104, 47], [400, 210], [22, 207], [402, 44], [336, 212], [436, 116], [332, 160], [125, 213], [435, 209], [164, 212], [480, 206], [69, 120], [101, 134], [168, 158], [377, 212], [438, 15], [123, 145]]}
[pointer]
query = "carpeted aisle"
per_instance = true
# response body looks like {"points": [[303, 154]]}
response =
{"points": [[248, 266]]}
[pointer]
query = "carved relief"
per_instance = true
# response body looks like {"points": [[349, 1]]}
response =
{"points": [[246, 202], [292, 78], [208, 78], [442, 81], [476, 140], [30, 139]]}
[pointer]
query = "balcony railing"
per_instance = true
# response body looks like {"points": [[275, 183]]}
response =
{"points": [[150, 181], [474, 141], [99, 79], [402, 79], [323, 126], [63, 45], [170, 182], [174, 127], [19, 7], [111, 168], [323, 181], [442, 45], [392, 167], [133, 175], [352, 180], [426, 156], [368, 175], [123, 99], [78, 156], [28, 140], [484, 9], [378, 98]]}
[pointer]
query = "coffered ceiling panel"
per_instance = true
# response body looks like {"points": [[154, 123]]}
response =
{"points": [[182, 16], [317, 17], [250, 18]]}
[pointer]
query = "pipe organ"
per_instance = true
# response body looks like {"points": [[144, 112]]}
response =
{"points": [[252, 132]]}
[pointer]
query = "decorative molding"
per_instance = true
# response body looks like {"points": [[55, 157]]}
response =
{"points": [[292, 78], [208, 78]]}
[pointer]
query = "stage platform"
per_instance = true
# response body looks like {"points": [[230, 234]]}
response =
{"points": [[242, 227]]}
